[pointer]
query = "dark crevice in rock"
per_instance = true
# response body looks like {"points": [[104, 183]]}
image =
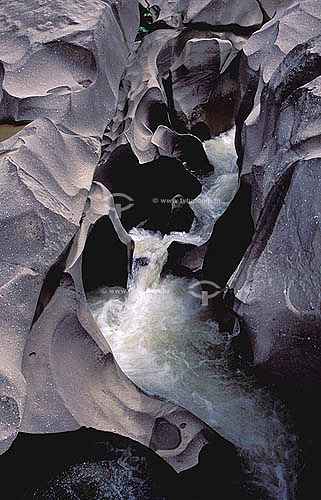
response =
{"points": [[201, 131], [104, 261], [146, 24], [157, 115], [51, 283], [264, 13], [244, 109], [221, 28], [222, 107], [177, 124], [145, 188], [231, 237], [219, 456]]}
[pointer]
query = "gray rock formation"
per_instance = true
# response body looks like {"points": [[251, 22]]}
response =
{"points": [[212, 12], [277, 285], [59, 90], [245, 14], [63, 102], [169, 83]]}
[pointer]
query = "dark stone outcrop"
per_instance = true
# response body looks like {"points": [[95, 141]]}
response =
{"points": [[209, 12], [277, 283], [47, 165], [217, 460]]}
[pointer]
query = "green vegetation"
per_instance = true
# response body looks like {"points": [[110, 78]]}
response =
{"points": [[146, 21]]}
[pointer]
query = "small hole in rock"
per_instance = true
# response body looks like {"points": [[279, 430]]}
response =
{"points": [[85, 83]]}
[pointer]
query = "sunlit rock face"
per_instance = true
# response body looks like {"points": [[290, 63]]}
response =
{"points": [[277, 285]]}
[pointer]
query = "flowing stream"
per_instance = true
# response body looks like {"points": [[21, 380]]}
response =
{"points": [[164, 342]]}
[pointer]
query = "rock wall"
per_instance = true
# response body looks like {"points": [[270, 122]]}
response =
{"points": [[59, 119], [248, 14], [277, 285], [177, 79], [61, 66]]}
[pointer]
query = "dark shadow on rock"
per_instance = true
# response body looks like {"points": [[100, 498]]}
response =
{"points": [[51, 283], [217, 475], [231, 237], [176, 252], [104, 261], [182, 216], [201, 130], [144, 192], [222, 107]]}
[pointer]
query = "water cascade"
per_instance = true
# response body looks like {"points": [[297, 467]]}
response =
{"points": [[166, 344]]}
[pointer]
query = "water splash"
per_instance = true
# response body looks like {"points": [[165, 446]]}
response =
{"points": [[125, 475], [162, 341]]}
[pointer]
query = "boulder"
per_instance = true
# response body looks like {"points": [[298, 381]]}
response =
{"points": [[263, 54], [190, 64], [142, 101], [40, 212], [230, 238], [93, 392], [277, 284]]}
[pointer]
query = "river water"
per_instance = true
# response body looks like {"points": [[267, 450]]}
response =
{"points": [[163, 340]]}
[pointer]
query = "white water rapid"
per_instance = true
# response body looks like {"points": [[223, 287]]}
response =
{"points": [[166, 345]]}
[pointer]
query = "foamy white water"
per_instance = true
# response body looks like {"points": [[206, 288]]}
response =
{"points": [[162, 340]]}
